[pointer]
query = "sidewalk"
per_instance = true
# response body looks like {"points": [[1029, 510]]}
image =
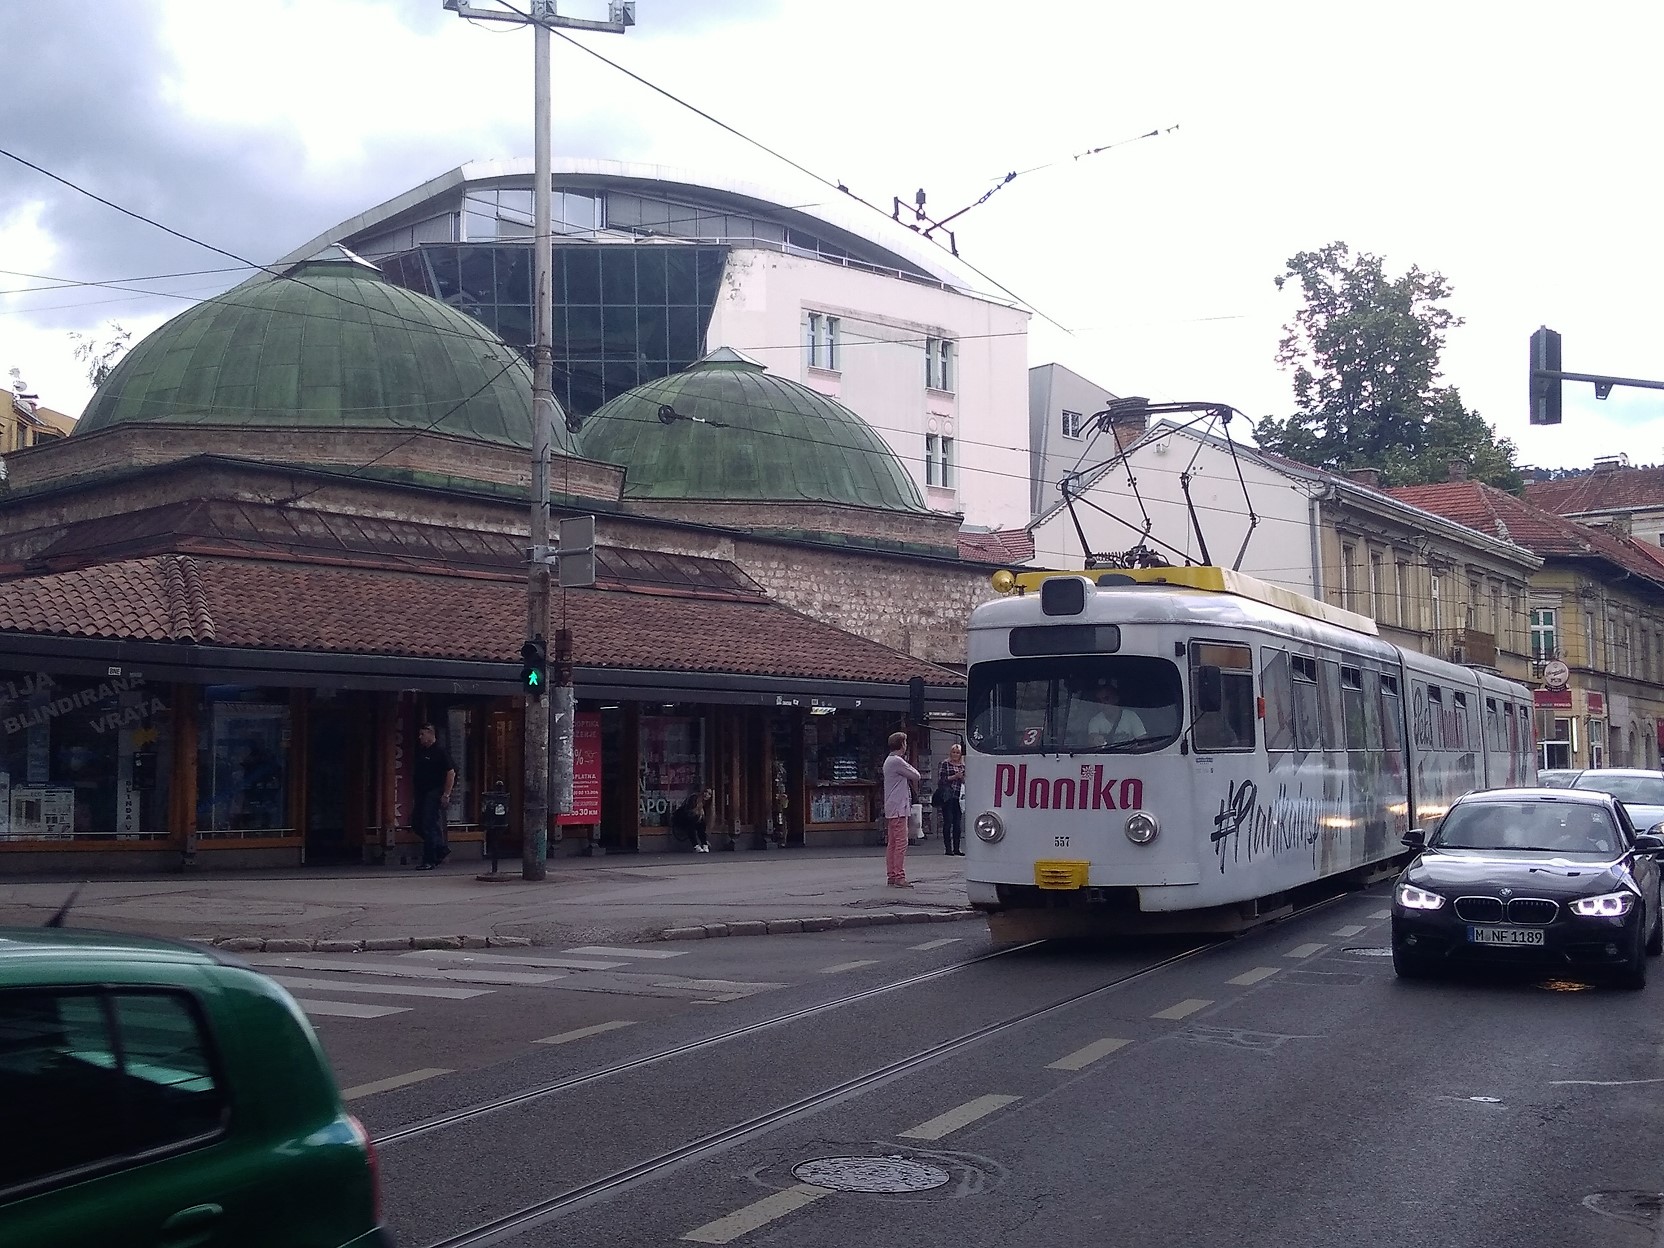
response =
{"points": [[618, 899]]}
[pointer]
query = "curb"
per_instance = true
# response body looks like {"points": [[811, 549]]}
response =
{"points": [[786, 927], [747, 927]]}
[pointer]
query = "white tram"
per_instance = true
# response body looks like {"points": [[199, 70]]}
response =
{"points": [[1186, 749]]}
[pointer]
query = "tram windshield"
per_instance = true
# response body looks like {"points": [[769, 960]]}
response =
{"points": [[1085, 704]]}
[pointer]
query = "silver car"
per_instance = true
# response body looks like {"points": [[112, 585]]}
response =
{"points": [[1639, 789]]}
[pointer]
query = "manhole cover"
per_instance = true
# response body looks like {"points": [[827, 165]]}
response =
{"points": [[1375, 951], [872, 1174]]}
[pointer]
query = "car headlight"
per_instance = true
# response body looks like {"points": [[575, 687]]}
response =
{"points": [[1413, 898], [1606, 906], [1142, 828], [988, 827]]}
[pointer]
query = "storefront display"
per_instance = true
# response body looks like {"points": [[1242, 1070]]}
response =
{"points": [[672, 764], [243, 770], [82, 759], [844, 766]]}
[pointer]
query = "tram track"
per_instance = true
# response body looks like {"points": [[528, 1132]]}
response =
{"points": [[536, 1213], [471, 1113]]}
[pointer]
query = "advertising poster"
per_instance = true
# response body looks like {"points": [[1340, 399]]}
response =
{"points": [[586, 770], [404, 765], [672, 764]]}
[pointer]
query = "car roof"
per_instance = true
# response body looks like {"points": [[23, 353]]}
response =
{"points": [[1645, 772], [1578, 797], [22, 948]]}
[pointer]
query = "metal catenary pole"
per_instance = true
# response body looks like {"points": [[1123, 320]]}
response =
{"points": [[537, 795], [535, 835]]}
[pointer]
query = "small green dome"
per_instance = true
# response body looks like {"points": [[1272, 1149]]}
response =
{"points": [[330, 346], [727, 429]]}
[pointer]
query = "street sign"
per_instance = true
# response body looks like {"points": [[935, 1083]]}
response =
{"points": [[575, 559]]}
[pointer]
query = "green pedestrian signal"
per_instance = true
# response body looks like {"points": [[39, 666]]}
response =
{"points": [[534, 657]]}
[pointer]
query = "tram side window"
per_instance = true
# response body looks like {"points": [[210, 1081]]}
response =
{"points": [[1464, 725], [1392, 716], [1329, 708], [1230, 724], [1528, 746], [1352, 706], [1308, 726], [1434, 732], [1276, 686], [1495, 740]]}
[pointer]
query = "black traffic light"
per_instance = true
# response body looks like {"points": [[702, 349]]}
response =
{"points": [[915, 700], [534, 670], [1545, 391]]}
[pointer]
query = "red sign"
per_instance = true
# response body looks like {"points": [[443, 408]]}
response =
{"points": [[1597, 704], [1552, 697], [586, 771]]}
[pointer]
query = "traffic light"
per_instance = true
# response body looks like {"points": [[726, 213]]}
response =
{"points": [[534, 670], [1545, 391]]}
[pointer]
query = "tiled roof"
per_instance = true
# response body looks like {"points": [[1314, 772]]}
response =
{"points": [[1611, 490], [302, 607], [999, 546], [1484, 507]]}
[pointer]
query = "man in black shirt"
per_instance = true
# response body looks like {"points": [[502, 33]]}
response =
{"points": [[435, 774]]}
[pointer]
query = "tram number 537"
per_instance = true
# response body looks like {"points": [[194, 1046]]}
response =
{"points": [[1060, 842]]}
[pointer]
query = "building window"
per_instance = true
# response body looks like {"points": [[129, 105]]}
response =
{"points": [[1437, 587], [1073, 423], [940, 364], [1377, 593], [823, 336], [1545, 640], [1402, 568], [938, 461], [1348, 575]]}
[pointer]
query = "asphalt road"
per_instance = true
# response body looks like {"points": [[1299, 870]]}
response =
{"points": [[1282, 1088]]}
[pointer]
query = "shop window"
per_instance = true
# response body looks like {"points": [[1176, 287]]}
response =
{"points": [[843, 757], [243, 762], [672, 765], [83, 759]]}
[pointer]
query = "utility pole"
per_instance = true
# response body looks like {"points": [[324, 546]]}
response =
{"points": [[535, 803]]}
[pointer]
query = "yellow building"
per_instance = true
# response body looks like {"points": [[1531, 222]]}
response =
{"points": [[1596, 627], [25, 423]]}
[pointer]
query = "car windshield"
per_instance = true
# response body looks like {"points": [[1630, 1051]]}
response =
{"points": [[1556, 779], [1643, 790], [1555, 827]]}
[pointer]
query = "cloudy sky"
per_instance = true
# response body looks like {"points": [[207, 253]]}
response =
{"points": [[1513, 149]]}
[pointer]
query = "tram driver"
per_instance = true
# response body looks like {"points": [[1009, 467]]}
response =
{"points": [[1097, 718]]}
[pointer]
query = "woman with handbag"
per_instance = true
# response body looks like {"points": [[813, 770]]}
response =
{"points": [[949, 799]]}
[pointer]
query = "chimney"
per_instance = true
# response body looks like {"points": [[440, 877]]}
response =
{"points": [[1370, 477], [1458, 470], [1128, 428]]}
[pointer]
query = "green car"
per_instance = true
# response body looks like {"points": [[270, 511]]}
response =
{"points": [[169, 1096]]}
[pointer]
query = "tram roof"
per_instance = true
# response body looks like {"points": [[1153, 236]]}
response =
{"points": [[1206, 579]]}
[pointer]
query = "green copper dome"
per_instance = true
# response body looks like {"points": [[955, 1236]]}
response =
{"points": [[329, 346], [736, 432]]}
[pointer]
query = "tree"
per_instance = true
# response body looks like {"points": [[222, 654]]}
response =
{"points": [[99, 356], [1364, 350]]}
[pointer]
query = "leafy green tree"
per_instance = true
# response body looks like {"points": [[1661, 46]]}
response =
{"points": [[100, 355], [1364, 350]]}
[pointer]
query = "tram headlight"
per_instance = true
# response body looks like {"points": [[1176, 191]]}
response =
{"points": [[988, 827], [1142, 828]]}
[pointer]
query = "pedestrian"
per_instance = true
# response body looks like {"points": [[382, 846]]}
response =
{"points": [[899, 778], [435, 776], [688, 820], [949, 799]]}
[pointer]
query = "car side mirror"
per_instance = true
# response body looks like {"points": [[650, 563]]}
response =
{"points": [[1649, 843], [1416, 838]]}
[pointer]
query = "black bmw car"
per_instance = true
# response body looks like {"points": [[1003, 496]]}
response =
{"points": [[1553, 877]]}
